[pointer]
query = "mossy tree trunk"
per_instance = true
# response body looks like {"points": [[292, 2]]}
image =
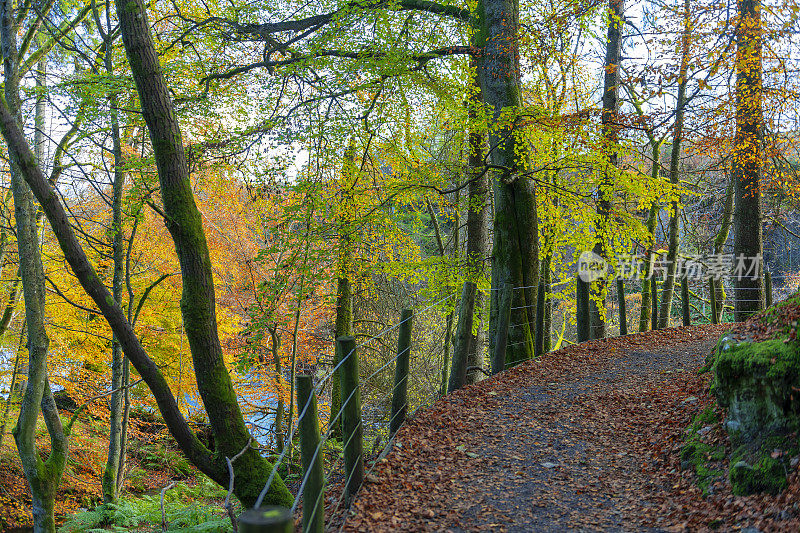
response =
{"points": [[668, 287], [515, 253], [344, 288], [43, 476], [198, 299], [477, 223], [110, 481]]}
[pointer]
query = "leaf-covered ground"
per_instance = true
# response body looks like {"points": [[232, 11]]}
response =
{"points": [[587, 438]]}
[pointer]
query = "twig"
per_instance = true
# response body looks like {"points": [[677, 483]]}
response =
{"points": [[163, 513], [227, 504]]}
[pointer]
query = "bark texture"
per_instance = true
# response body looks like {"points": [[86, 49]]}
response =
{"points": [[477, 228], [748, 156], [184, 222], [515, 252]]}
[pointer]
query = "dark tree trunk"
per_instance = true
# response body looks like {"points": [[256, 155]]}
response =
{"points": [[748, 157], [515, 253], [184, 222], [610, 126]]}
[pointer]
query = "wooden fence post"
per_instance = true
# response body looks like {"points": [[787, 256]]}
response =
{"points": [[501, 337], [400, 391], [582, 314], [768, 288], [448, 335], [623, 315], [266, 520], [314, 489], [351, 417], [538, 347], [653, 303], [712, 291], [458, 373], [687, 315]]}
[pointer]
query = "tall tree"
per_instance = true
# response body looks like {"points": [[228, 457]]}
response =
{"points": [[610, 128], [515, 253], [668, 288], [477, 221], [344, 287], [748, 156], [43, 476], [198, 300], [112, 474]]}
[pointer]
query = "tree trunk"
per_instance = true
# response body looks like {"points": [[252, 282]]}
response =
{"points": [[748, 156], [719, 243], [14, 374], [279, 410], [117, 403], [668, 287], [477, 226], [515, 253], [197, 302], [344, 287], [610, 127], [647, 300], [43, 477], [547, 324]]}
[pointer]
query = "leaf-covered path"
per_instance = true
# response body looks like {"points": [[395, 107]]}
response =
{"points": [[584, 439]]}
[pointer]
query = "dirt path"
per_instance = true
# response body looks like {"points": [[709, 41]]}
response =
{"points": [[585, 439]]}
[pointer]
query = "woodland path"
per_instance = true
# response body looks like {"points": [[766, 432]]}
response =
{"points": [[584, 439]]}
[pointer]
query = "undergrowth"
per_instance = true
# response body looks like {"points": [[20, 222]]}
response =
{"points": [[187, 510], [701, 453]]}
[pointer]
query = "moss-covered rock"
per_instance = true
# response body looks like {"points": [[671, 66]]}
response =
{"points": [[756, 381], [759, 383], [766, 475], [700, 453]]}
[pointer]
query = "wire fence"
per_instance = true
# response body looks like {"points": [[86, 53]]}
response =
{"points": [[377, 356]]}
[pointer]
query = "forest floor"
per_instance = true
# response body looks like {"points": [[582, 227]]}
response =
{"points": [[154, 462], [587, 438]]}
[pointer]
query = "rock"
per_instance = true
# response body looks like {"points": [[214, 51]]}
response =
{"points": [[64, 401], [795, 460], [549, 465], [689, 400], [755, 381], [733, 426], [767, 475], [704, 430], [751, 530]]}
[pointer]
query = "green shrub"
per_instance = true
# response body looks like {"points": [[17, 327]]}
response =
{"points": [[187, 509]]}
